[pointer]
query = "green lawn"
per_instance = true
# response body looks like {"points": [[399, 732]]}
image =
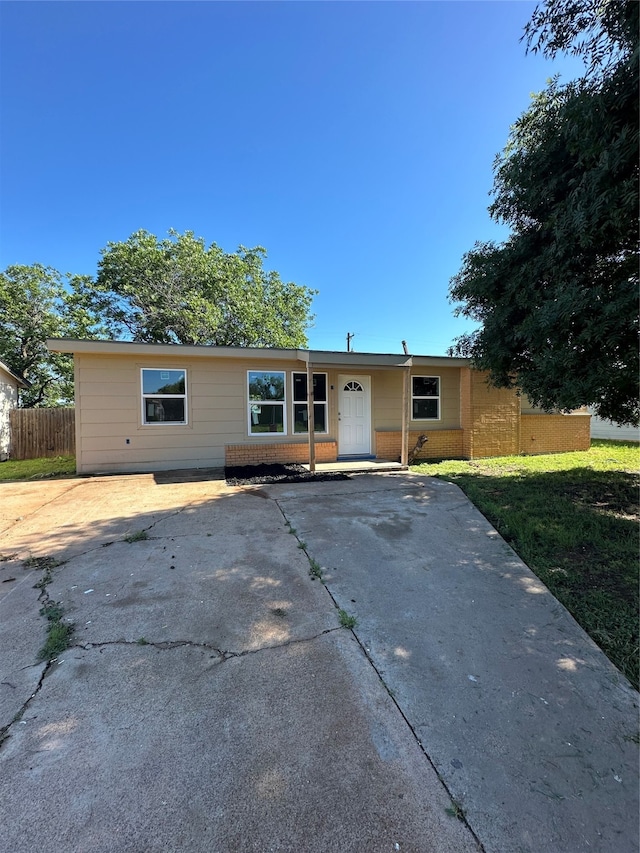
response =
{"points": [[37, 469], [573, 519]]}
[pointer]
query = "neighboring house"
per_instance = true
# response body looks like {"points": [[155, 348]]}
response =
{"points": [[148, 407], [10, 383], [609, 429]]}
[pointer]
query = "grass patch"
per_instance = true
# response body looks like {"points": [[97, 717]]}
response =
{"points": [[137, 536], [52, 611], [573, 519], [38, 469], [59, 633], [346, 620], [58, 639]]}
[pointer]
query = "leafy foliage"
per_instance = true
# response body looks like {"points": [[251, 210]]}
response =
{"points": [[558, 299], [34, 306], [178, 290], [158, 291]]}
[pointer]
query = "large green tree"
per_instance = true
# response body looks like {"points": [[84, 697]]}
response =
{"points": [[36, 305], [558, 300], [178, 290]]}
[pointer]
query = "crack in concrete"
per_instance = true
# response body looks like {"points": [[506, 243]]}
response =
{"points": [[165, 517], [166, 645], [372, 664], [412, 729], [44, 600], [162, 645], [110, 541], [17, 717], [223, 654]]}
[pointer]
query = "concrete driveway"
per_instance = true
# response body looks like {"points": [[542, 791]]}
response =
{"points": [[211, 701]]}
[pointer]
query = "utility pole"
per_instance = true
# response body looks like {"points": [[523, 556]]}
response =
{"points": [[349, 336]]}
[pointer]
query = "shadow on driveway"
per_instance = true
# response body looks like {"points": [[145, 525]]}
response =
{"points": [[209, 700]]}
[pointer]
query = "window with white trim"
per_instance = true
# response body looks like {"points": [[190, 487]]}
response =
{"points": [[425, 398], [301, 407], [164, 396], [266, 402]]}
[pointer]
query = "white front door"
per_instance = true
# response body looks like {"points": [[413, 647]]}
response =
{"points": [[354, 415]]}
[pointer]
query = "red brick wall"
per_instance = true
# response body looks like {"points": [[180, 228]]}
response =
{"points": [[254, 454], [554, 433]]}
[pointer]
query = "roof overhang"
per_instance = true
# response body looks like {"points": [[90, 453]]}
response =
{"points": [[318, 358], [80, 347], [21, 382]]}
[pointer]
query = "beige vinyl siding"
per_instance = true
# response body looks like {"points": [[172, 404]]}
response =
{"points": [[109, 397], [387, 399], [110, 416], [109, 406]]}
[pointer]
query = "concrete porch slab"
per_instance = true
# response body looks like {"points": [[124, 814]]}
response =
{"points": [[357, 466]]}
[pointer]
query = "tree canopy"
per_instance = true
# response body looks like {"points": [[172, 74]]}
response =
{"points": [[175, 290], [178, 290], [558, 300], [34, 306]]}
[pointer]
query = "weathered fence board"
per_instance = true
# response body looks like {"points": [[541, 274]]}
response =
{"points": [[42, 432]]}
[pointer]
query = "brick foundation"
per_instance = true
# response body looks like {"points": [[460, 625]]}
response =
{"points": [[254, 454], [442, 444], [491, 425]]}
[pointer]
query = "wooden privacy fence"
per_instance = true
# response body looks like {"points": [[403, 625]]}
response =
{"points": [[42, 432]]}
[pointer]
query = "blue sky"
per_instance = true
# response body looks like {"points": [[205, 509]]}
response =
{"points": [[354, 140]]}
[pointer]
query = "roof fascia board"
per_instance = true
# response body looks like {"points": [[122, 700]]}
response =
{"points": [[69, 345], [348, 360], [440, 361], [357, 360]]}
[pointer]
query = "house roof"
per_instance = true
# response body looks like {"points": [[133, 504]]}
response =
{"points": [[315, 357], [20, 380]]}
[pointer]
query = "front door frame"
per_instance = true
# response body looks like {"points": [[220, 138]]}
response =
{"points": [[365, 381]]}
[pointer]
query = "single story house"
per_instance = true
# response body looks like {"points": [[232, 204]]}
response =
{"points": [[10, 384], [148, 407]]}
